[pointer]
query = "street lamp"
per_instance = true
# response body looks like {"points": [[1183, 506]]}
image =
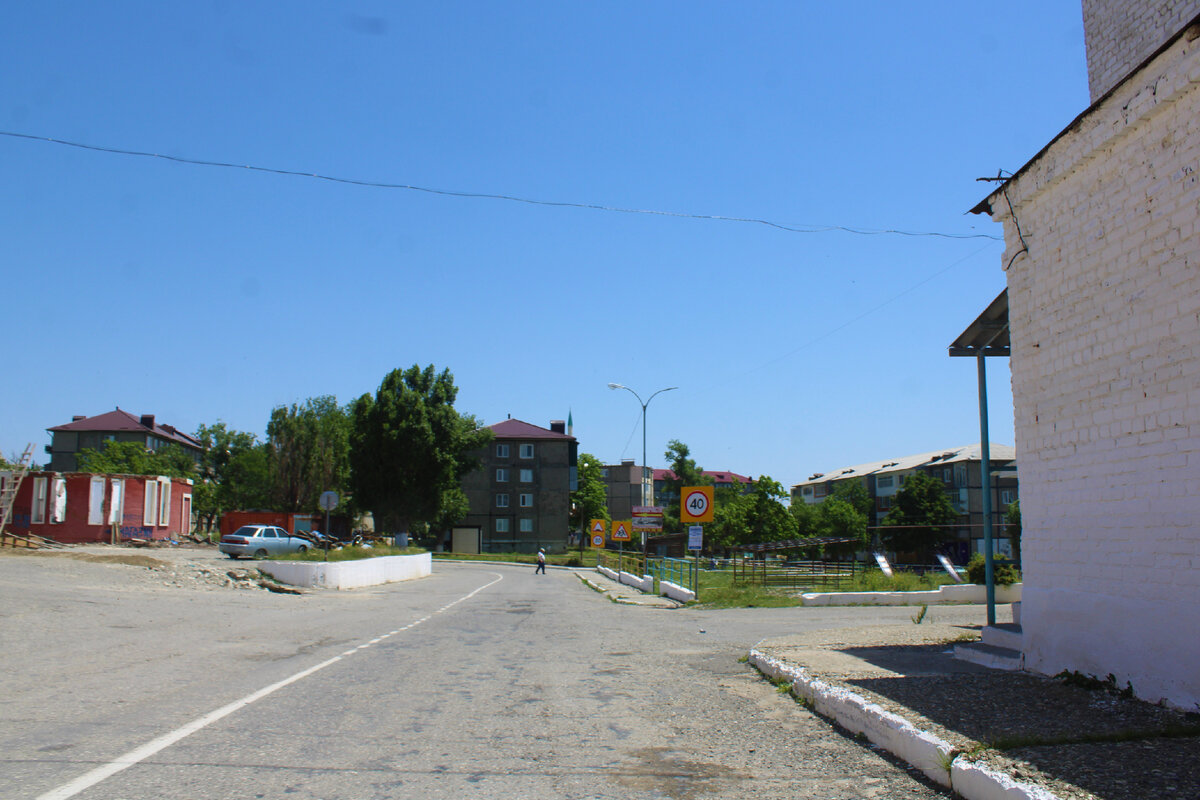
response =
{"points": [[646, 403]]}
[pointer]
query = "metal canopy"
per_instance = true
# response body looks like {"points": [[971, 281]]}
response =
{"points": [[988, 334]]}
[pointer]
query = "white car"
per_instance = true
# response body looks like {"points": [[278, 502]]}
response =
{"points": [[261, 541]]}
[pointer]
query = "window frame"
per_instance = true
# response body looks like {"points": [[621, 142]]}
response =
{"points": [[501, 499], [526, 525], [526, 500], [37, 514], [501, 474], [525, 451], [502, 451]]}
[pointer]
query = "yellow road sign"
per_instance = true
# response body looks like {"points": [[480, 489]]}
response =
{"points": [[622, 530], [696, 504], [597, 530]]}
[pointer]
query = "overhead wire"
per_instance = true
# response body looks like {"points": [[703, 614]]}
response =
{"points": [[793, 228]]}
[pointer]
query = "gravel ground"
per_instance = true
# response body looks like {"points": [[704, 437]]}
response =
{"points": [[911, 672]]}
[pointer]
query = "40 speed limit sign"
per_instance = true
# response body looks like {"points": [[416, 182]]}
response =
{"points": [[696, 504]]}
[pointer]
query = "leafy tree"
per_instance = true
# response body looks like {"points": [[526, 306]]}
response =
{"points": [[410, 449], [308, 447], [234, 473], [767, 518], [855, 493], [840, 518], [919, 507], [806, 516], [687, 473], [1013, 514], [590, 499], [132, 458]]}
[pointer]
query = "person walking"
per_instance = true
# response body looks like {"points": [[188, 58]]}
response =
{"points": [[541, 567]]}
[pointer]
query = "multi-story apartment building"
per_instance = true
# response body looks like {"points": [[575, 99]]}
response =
{"points": [[958, 468], [90, 433], [520, 498], [665, 491]]}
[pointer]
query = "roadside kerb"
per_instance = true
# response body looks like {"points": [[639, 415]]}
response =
{"points": [[642, 584], [962, 593], [930, 754], [349, 574], [676, 592]]}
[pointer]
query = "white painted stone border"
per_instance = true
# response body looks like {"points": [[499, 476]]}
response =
{"points": [[349, 574], [950, 593], [608, 573], [642, 584], [676, 592], [930, 754]]}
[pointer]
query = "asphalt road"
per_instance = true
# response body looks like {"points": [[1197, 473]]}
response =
{"points": [[478, 682]]}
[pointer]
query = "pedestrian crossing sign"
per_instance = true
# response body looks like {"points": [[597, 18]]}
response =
{"points": [[622, 530]]}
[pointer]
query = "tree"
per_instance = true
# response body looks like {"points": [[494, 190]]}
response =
{"points": [[856, 494], [234, 473], [1013, 514], [767, 518], [308, 447], [590, 499], [687, 473], [132, 458], [919, 507], [842, 519], [805, 514], [410, 449]]}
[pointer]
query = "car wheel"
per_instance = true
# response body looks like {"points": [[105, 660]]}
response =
{"points": [[233, 556], [261, 554], [302, 549]]}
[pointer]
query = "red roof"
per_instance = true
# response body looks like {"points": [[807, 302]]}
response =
{"points": [[718, 477], [516, 429], [124, 421]]}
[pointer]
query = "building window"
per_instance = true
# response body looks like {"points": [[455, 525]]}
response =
{"points": [[883, 503], [526, 476], [164, 501], [902, 477], [526, 501], [1006, 497], [96, 501], [150, 504], [819, 491], [502, 525], [501, 451], [885, 482], [526, 525], [501, 475], [526, 451], [38, 514], [806, 491], [58, 501], [960, 475], [946, 475], [502, 500]]}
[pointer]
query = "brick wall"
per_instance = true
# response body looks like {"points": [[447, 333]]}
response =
{"points": [[1105, 324], [1121, 34]]}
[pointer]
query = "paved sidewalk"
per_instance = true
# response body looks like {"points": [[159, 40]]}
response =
{"points": [[1025, 736], [621, 593]]}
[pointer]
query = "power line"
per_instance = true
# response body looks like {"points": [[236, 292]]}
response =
{"points": [[797, 228]]}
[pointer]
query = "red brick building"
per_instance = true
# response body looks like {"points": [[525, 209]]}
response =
{"points": [[80, 507]]}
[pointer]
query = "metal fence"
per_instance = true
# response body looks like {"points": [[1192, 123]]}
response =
{"points": [[631, 562], [679, 571], [811, 575]]}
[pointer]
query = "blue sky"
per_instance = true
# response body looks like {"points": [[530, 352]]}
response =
{"points": [[201, 293]]}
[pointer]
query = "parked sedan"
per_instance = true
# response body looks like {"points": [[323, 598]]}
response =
{"points": [[261, 541]]}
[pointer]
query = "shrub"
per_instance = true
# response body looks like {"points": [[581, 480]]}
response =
{"points": [[1003, 571]]}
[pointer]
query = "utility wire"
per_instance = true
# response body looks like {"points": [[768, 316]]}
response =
{"points": [[510, 198]]}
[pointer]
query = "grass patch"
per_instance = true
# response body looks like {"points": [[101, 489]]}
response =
{"points": [[875, 581], [349, 553], [742, 596]]}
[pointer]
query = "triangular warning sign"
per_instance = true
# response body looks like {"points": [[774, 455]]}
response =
{"points": [[597, 526]]}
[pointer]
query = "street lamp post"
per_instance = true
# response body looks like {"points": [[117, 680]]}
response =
{"points": [[643, 404]]}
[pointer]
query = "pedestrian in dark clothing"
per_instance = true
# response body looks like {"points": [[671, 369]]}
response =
{"points": [[541, 567]]}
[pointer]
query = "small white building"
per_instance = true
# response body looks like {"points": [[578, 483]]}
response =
{"points": [[1102, 233]]}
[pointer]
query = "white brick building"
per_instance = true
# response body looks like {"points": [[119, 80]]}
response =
{"points": [[1102, 233]]}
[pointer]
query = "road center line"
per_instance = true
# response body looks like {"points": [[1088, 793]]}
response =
{"points": [[89, 779]]}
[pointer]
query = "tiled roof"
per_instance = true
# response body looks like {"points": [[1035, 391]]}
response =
{"points": [[119, 420], [516, 429], [718, 477]]}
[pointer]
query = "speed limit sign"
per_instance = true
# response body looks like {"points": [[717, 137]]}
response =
{"points": [[696, 504]]}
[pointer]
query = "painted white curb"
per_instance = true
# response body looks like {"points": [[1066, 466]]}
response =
{"points": [[608, 573], [960, 593], [350, 574], [644, 583], [676, 592], [923, 750]]}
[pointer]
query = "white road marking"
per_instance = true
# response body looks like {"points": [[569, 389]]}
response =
{"points": [[89, 779]]}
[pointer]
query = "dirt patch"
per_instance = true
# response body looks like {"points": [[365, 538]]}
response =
{"points": [[129, 559]]}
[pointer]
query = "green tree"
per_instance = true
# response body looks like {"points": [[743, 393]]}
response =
{"points": [[842, 519], [919, 508], [687, 473], [855, 493], [410, 449], [806, 516], [590, 499], [234, 473], [1013, 514], [767, 518], [132, 458], [308, 447]]}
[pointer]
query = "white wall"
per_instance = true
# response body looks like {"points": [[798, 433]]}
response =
{"points": [[1105, 325]]}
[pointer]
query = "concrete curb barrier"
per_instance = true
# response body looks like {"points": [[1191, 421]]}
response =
{"points": [[925, 751], [642, 584], [350, 574], [676, 592], [608, 573], [961, 593]]}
